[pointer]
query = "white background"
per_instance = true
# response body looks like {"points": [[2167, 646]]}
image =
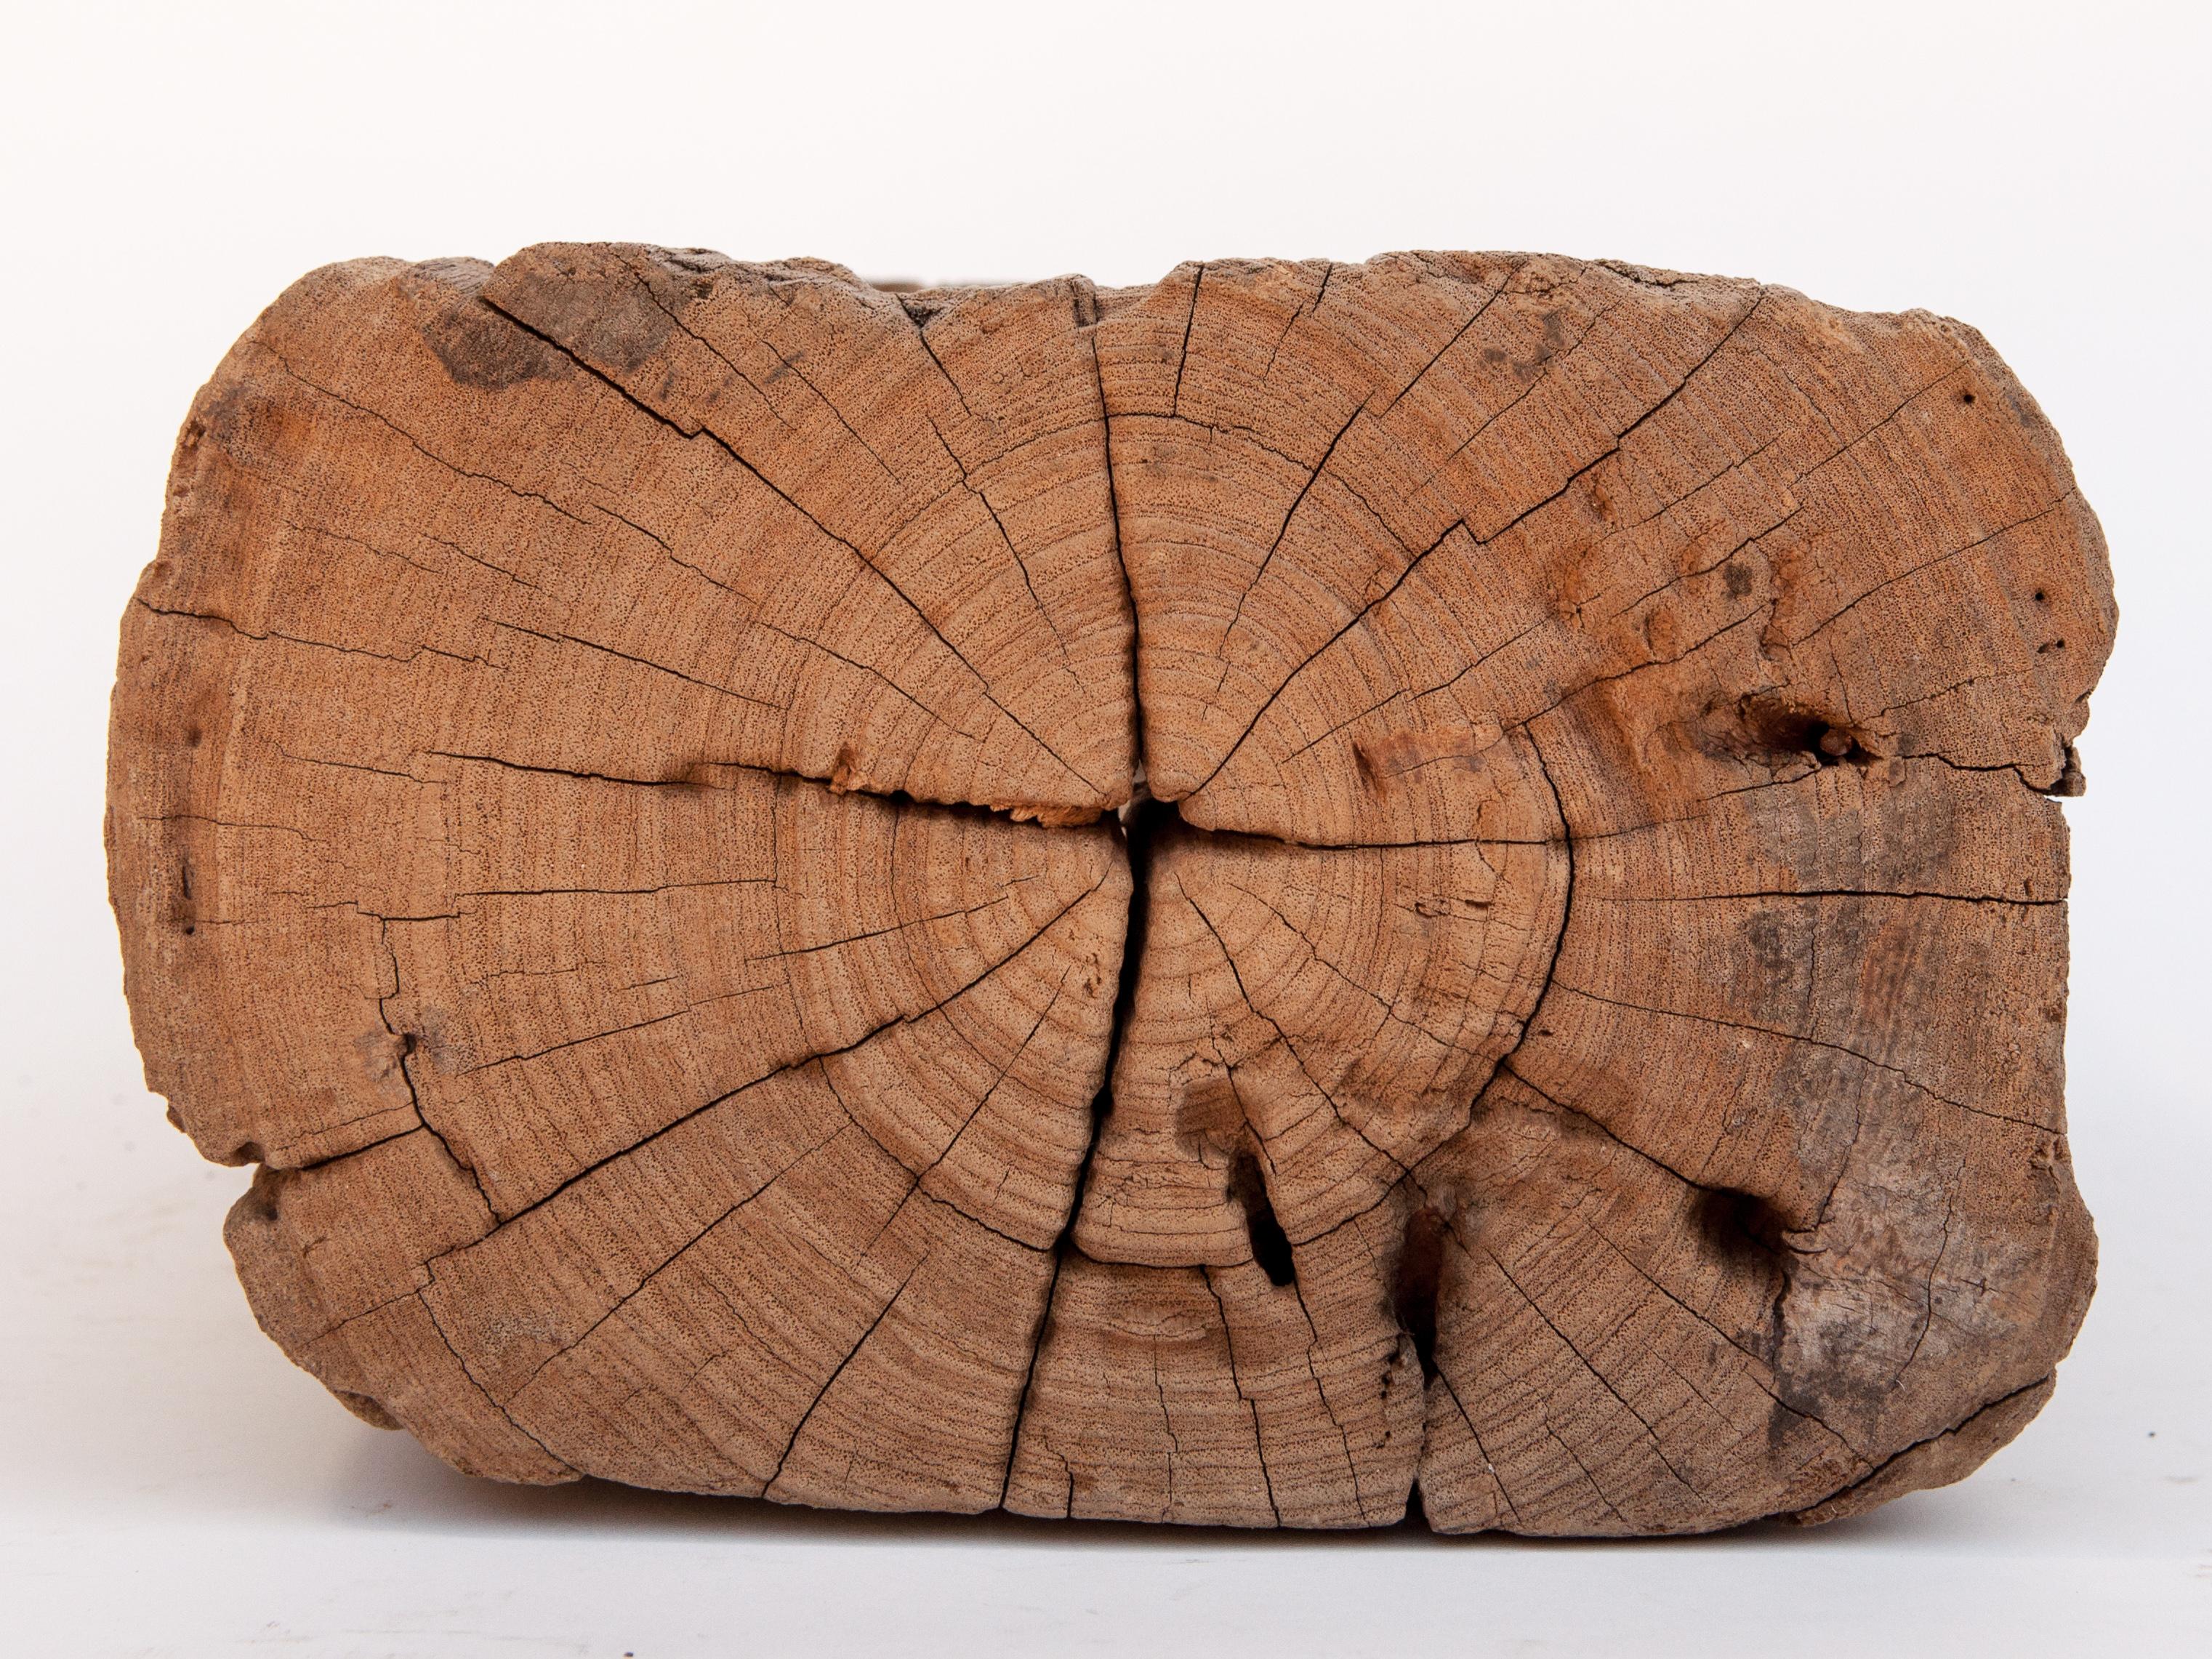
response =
{"points": [[169, 1485]]}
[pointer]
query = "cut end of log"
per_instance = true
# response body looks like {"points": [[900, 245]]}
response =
{"points": [[1308, 892]]}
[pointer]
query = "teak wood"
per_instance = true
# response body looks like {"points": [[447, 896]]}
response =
{"points": [[1220, 903]]}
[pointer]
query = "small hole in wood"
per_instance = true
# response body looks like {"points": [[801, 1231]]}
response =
{"points": [[1782, 730], [1741, 1227], [1416, 1283], [1270, 1246]]}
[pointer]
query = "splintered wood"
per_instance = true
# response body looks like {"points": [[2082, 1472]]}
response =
{"points": [[1221, 903]]}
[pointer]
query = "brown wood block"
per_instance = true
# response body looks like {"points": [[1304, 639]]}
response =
{"points": [[1226, 903]]}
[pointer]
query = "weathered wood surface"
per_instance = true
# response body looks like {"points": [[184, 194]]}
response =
{"points": [[628, 801]]}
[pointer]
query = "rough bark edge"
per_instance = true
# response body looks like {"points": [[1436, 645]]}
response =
{"points": [[1939, 1460], [461, 1425]]}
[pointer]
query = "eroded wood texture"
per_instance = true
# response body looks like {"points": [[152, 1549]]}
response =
{"points": [[1211, 903]]}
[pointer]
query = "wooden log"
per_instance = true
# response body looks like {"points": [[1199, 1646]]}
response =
{"points": [[1221, 903]]}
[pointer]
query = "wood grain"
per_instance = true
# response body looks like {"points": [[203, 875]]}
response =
{"points": [[1225, 903]]}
